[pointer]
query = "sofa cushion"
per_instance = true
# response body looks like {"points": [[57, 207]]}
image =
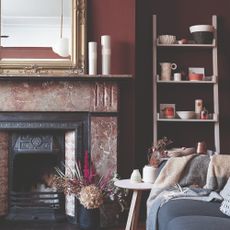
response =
{"points": [[185, 207], [226, 190], [225, 206], [225, 193], [199, 223]]}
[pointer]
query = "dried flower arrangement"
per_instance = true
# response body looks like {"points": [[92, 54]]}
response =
{"points": [[90, 189], [158, 151]]}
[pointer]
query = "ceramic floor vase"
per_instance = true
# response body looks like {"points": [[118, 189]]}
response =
{"points": [[89, 219]]}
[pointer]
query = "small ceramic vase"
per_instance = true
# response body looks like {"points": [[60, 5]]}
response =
{"points": [[135, 176]]}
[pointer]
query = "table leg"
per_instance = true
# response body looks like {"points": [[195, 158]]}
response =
{"points": [[132, 221]]}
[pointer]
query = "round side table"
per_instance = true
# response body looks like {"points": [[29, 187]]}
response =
{"points": [[137, 188]]}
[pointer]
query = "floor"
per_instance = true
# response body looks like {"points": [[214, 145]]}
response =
{"points": [[49, 226]]}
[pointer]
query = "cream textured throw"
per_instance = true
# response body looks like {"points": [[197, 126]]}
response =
{"points": [[169, 175], [218, 172]]}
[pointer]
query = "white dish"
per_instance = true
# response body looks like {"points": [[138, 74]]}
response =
{"points": [[200, 28], [186, 114]]}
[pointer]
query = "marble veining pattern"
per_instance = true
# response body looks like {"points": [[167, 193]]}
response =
{"points": [[58, 96], [104, 97], [104, 144], [70, 149]]}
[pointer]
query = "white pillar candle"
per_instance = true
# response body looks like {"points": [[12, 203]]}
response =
{"points": [[106, 54], [92, 48], [149, 174]]}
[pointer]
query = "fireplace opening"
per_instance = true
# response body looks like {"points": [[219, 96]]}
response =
{"points": [[32, 195]]}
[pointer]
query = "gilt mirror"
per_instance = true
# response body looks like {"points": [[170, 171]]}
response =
{"points": [[42, 36]]}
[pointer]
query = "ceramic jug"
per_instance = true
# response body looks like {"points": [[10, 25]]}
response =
{"points": [[166, 70]]}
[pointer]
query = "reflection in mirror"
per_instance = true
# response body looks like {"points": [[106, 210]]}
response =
{"points": [[42, 32]]}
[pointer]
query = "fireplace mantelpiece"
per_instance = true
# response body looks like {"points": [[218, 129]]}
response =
{"points": [[98, 96]]}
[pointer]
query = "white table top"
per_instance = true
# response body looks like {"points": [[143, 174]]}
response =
{"points": [[126, 183]]}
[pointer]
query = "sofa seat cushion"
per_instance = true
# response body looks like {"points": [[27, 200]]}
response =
{"points": [[185, 207], [199, 223]]}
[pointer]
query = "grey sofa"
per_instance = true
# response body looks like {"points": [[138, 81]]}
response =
{"points": [[184, 214]]}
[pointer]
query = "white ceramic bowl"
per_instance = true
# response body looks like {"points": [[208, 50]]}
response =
{"points": [[201, 28], [167, 39], [186, 114]]}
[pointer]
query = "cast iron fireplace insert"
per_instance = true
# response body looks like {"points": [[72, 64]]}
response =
{"points": [[37, 145]]}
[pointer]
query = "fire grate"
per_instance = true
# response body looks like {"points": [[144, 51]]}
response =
{"points": [[54, 200], [37, 206]]}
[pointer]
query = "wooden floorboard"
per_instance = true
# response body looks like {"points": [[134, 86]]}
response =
{"points": [[4, 225]]}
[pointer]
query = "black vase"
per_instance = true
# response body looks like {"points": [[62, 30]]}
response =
{"points": [[89, 219]]}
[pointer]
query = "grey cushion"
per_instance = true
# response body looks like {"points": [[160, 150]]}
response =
{"points": [[225, 206], [199, 223], [178, 208]]}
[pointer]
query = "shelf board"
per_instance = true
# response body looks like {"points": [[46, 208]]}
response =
{"points": [[186, 120], [177, 119], [187, 81], [188, 45], [69, 77]]}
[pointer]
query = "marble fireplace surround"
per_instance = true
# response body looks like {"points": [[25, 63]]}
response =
{"points": [[65, 95]]}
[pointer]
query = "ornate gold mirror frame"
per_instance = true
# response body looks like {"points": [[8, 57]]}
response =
{"points": [[76, 64]]}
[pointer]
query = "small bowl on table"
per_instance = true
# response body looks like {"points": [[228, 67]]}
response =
{"points": [[186, 114]]}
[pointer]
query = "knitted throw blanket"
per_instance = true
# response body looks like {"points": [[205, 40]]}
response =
{"points": [[186, 171], [218, 172], [169, 176]]}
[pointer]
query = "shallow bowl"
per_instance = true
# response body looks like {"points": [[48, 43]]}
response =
{"points": [[167, 39], [201, 28], [186, 114]]}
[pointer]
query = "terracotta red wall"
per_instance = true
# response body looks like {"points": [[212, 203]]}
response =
{"points": [[27, 52], [117, 18], [175, 17]]}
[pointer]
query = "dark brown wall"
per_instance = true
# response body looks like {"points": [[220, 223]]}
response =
{"points": [[175, 17]]}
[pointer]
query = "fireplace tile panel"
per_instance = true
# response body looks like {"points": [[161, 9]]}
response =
{"points": [[70, 149], [58, 96], [104, 133], [4, 137]]}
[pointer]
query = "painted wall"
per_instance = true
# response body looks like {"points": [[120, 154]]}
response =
{"points": [[117, 18]]}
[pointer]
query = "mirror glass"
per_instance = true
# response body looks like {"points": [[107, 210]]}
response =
{"points": [[41, 32]]}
